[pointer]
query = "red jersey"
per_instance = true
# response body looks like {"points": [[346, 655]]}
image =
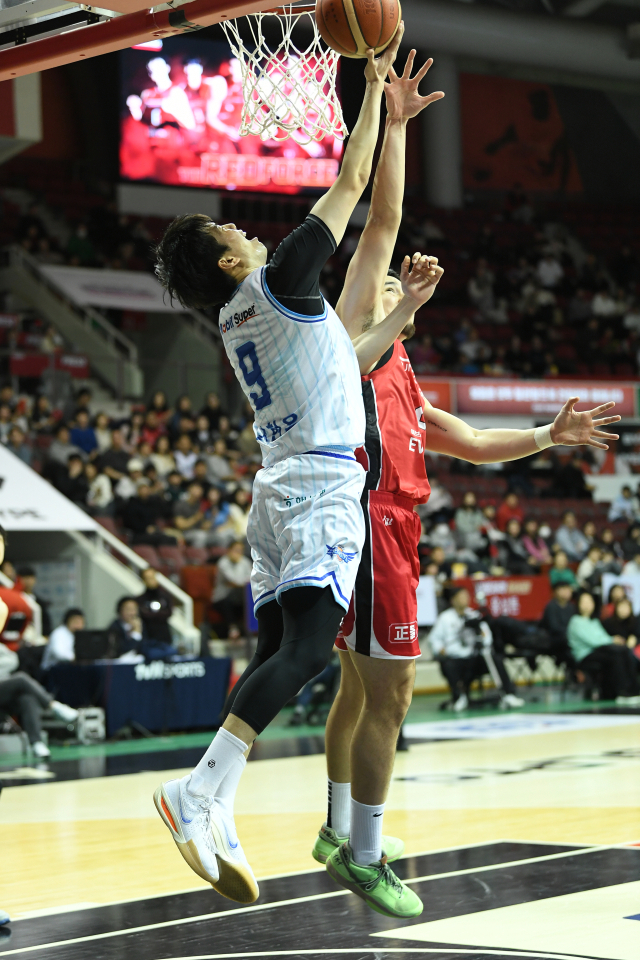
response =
{"points": [[393, 452]]}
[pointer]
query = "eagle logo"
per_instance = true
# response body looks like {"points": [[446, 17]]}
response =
{"points": [[340, 553]]}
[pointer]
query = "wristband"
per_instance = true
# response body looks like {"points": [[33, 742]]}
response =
{"points": [[542, 437]]}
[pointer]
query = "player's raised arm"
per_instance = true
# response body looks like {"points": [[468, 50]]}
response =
{"points": [[338, 203], [447, 434], [419, 278], [361, 299]]}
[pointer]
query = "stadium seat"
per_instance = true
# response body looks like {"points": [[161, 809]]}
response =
{"points": [[149, 554]]}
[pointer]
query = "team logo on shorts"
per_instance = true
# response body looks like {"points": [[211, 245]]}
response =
{"points": [[403, 632], [340, 553]]}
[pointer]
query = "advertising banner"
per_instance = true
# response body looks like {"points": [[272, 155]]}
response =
{"points": [[27, 502], [437, 392], [523, 598], [540, 397], [115, 289]]}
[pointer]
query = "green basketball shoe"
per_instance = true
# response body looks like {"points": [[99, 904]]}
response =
{"points": [[328, 840], [376, 884]]}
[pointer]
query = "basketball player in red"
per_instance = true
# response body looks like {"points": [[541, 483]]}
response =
{"points": [[378, 642]]}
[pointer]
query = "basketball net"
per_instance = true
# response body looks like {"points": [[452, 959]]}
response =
{"points": [[290, 91]]}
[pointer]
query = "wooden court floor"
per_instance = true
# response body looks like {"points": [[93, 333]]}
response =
{"points": [[83, 843]]}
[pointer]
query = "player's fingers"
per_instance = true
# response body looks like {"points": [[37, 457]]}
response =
{"points": [[602, 408], [601, 422], [423, 71], [408, 67], [605, 435], [438, 95], [392, 74], [568, 406], [595, 443]]}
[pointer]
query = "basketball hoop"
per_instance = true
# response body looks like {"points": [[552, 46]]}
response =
{"points": [[290, 91]]}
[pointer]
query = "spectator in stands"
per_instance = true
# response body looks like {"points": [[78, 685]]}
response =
{"points": [[43, 420], [100, 493], [183, 412], [469, 521], [632, 567], [570, 539], [161, 408], [509, 509], [133, 430], [125, 633], [162, 457], [185, 456], [226, 432], [597, 653], [6, 423], [129, 485], [623, 507], [62, 448], [102, 432], [152, 428], [218, 465], [561, 572], [608, 542], [624, 623], [239, 513], [26, 583], [72, 481], [155, 606], [514, 555], [114, 460], [190, 517], [616, 593], [569, 481], [556, 617], [534, 544], [18, 446], [590, 532], [61, 645], [247, 444], [589, 573], [200, 475], [439, 507], [462, 642], [23, 697], [549, 271], [631, 542], [142, 515], [156, 485], [80, 249], [212, 410], [234, 573], [202, 434], [83, 435]]}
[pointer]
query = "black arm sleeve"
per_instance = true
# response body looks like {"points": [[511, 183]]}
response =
{"points": [[293, 274]]}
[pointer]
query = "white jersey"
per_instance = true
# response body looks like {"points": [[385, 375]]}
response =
{"points": [[300, 373]]}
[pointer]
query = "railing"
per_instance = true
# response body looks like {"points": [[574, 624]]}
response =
{"points": [[18, 257]]}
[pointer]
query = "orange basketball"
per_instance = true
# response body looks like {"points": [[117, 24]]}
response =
{"points": [[353, 26]]}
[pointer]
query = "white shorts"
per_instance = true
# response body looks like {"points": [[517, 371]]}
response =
{"points": [[306, 526]]}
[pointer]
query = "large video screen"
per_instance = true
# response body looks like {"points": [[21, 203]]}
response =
{"points": [[181, 106]]}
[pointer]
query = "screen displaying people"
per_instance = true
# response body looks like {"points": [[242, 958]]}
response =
{"points": [[181, 110]]}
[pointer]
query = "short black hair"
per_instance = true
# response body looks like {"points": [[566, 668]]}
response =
{"points": [[393, 273], [72, 612], [123, 600], [187, 263], [26, 572]]}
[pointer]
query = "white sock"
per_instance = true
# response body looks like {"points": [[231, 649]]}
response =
{"points": [[339, 807], [226, 793], [366, 832], [215, 764]]}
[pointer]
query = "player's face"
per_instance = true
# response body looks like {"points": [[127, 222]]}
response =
{"points": [[391, 294], [253, 253], [159, 70]]}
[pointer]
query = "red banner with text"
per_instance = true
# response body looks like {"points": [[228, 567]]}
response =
{"points": [[523, 598], [541, 397]]}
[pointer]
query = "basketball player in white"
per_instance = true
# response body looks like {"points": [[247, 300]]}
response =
{"points": [[296, 364]]}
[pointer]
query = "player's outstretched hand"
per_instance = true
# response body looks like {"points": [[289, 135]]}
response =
{"points": [[401, 93], [573, 428], [377, 70], [419, 277]]}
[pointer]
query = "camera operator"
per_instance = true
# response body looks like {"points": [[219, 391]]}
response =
{"points": [[461, 641]]}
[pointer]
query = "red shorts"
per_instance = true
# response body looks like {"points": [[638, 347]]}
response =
{"points": [[382, 621]]}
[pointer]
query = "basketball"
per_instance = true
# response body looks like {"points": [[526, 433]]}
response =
{"points": [[353, 26]]}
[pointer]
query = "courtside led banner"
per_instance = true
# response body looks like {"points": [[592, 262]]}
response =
{"points": [[437, 392], [540, 396]]}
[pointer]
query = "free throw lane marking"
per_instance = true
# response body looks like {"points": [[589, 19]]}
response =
{"points": [[592, 922]]}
